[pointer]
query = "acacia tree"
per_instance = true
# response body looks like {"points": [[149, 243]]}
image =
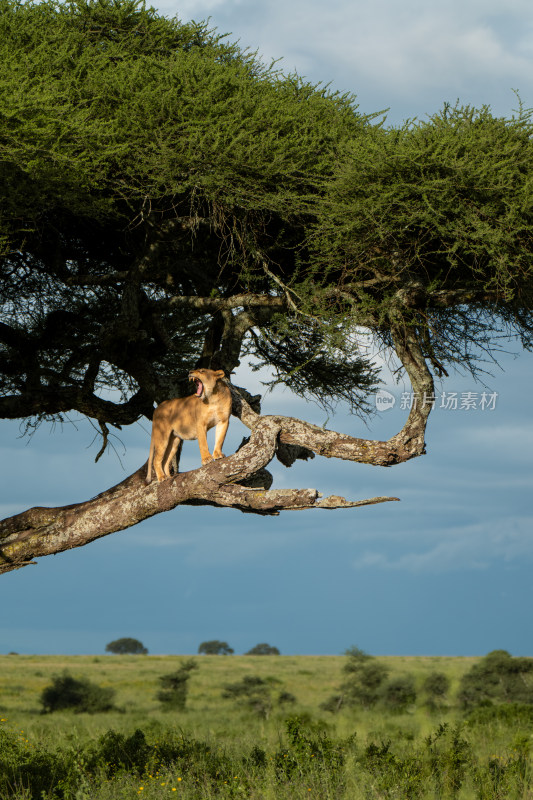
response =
{"points": [[126, 646], [170, 202]]}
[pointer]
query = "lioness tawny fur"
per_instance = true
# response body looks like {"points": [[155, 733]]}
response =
{"points": [[190, 418]]}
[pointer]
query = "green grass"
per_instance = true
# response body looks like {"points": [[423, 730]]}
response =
{"points": [[354, 754]]}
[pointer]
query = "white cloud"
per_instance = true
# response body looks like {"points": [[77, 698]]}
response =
{"points": [[505, 540], [411, 56]]}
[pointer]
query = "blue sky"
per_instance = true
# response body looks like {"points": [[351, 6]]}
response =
{"points": [[445, 571]]}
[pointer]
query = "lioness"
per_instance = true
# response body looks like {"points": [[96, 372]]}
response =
{"points": [[190, 418]]}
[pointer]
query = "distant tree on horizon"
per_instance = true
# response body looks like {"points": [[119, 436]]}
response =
{"points": [[215, 648], [126, 646], [263, 649]]}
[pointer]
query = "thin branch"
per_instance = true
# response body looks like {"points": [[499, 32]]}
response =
{"points": [[210, 304]]}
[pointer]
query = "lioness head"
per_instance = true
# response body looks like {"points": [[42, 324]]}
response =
{"points": [[205, 381]]}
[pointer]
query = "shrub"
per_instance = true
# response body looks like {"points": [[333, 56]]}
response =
{"points": [[286, 698], [498, 677], [79, 694], [126, 646], [399, 693], [256, 693], [173, 695], [436, 686], [116, 752], [363, 685], [366, 677]]}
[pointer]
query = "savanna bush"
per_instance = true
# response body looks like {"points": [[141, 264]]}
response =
{"points": [[79, 694], [498, 677], [363, 685], [436, 686], [116, 752], [175, 686], [399, 693], [257, 694]]}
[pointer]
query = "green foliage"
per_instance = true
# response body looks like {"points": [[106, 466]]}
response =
{"points": [[263, 649], [123, 129], [121, 753], [126, 646], [79, 694], [394, 774], [175, 685], [449, 756], [498, 677], [31, 771], [215, 647], [144, 159], [509, 714], [441, 203], [309, 752], [117, 104]]}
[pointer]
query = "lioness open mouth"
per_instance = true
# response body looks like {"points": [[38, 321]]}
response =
{"points": [[199, 386]]}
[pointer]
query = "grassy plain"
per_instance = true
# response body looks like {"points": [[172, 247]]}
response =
{"points": [[357, 753]]}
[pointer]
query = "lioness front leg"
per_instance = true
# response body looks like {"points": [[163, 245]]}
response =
{"points": [[220, 435], [202, 443]]}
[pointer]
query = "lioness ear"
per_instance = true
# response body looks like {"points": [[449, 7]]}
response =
{"points": [[220, 374]]}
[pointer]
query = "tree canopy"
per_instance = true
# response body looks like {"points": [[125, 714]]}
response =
{"points": [[170, 202]]}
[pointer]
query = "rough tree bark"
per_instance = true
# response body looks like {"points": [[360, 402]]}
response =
{"points": [[239, 481]]}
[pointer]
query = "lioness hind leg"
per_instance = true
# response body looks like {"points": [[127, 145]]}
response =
{"points": [[158, 463], [173, 451]]}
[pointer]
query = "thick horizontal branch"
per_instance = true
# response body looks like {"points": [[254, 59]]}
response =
{"points": [[61, 400], [44, 531]]}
